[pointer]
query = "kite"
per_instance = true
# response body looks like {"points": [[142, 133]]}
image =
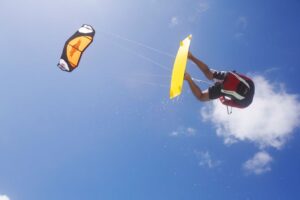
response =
{"points": [[75, 46], [179, 67]]}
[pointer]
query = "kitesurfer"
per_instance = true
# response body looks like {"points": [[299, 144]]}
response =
{"points": [[232, 88]]}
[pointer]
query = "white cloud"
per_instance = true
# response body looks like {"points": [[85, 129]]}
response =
{"points": [[238, 35], [269, 121], [259, 164], [174, 21], [241, 26], [201, 7], [242, 23], [183, 131], [205, 160], [272, 69], [191, 131], [4, 197]]}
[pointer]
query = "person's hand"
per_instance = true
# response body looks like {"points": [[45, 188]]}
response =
{"points": [[187, 76], [190, 55]]}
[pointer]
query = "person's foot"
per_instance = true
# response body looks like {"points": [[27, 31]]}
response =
{"points": [[187, 76], [190, 55]]}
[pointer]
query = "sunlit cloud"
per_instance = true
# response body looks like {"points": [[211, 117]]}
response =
{"points": [[269, 122], [259, 164], [4, 197]]}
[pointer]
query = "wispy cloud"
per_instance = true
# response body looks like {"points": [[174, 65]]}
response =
{"points": [[242, 23], [174, 21], [206, 160], [238, 35], [183, 131], [241, 26], [198, 8], [201, 7], [269, 121], [4, 197], [272, 69], [259, 164]]}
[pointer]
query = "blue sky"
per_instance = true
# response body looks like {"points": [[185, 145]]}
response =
{"points": [[108, 129]]}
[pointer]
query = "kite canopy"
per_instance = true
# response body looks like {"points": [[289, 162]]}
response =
{"points": [[74, 47], [179, 67]]}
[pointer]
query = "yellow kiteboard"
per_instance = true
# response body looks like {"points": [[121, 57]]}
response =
{"points": [[179, 67]]}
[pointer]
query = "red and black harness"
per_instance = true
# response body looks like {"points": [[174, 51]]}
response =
{"points": [[237, 87]]}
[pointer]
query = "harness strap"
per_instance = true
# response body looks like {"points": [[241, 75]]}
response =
{"points": [[229, 112]]}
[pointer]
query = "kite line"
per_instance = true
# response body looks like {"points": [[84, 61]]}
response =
{"points": [[139, 44]]}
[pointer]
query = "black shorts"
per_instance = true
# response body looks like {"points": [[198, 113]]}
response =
{"points": [[215, 90]]}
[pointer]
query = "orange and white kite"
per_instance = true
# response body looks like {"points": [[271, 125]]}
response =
{"points": [[74, 47]]}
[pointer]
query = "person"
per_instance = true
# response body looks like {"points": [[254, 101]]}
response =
{"points": [[232, 88]]}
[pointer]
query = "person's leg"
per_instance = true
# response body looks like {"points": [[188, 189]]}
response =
{"points": [[202, 66]]}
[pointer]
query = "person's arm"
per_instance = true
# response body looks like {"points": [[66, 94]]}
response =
{"points": [[202, 66], [195, 89]]}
